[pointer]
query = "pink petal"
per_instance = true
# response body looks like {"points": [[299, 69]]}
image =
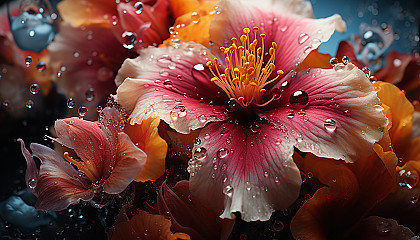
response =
{"points": [[129, 163], [58, 184], [173, 84], [342, 118], [86, 59], [32, 172], [89, 143], [246, 169], [295, 36], [189, 216]]}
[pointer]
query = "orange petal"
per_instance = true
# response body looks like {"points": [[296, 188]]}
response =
{"points": [[146, 137], [181, 7], [193, 25], [148, 227], [315, 59], [82, 12]]}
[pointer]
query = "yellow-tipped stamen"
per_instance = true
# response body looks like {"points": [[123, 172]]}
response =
{"points": [[246, 75], [89, 172]]}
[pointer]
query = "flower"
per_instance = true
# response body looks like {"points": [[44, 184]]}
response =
{"points": [[109, 160], [146, 226], [252, 115]]}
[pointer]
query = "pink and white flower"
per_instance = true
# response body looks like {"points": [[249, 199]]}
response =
{"points": [[252, 114], [109, 161]]}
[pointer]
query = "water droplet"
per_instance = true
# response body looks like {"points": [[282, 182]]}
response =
{"points": [[276, 94], [339, 67], [228, 190], [34, 88], [29, 104], [330, 125], [345, 60], [28, 61], [90, 94], [255, 128], [172, 65], [31, 183], [200, 153], [129, 39], [290, 114], [302, 38], [414, 200], [41, 67], [174, 115], [176, 43], [218, 10], [195, 18], [222, 153], [199, 67], [197, 141], [71, 103], [202, 118], [276, 179], [285, 84], [82, 111], [167, 82], [397, 62], [139, 7], [284, 28], [76, 54], [278, 225], [333, 61], [180, 110], [366, 70], [299, 99]]}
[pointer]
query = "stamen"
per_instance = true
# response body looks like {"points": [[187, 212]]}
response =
{"points": [[246, 75], [81, 166]]}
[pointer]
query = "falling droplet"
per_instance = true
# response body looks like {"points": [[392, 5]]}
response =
{"points": [[71, 103], [34, 88], [222, 153], [200, 153], [41, 67], [333, 61], [345, 60], [299, 99], [28, 61], [29, 104], [195, 18], [90, 94], [366, 70], [82, 111], [129, 39], [330, 125], [139, 7], [32, 183], [302, 38]]}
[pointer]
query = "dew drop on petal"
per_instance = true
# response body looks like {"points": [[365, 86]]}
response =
{"points": [[41, 67], [228, 190], [200, 153], [172, 65], [139, 7], [31, 183], [195, 18], [290, 114], [299, 99], [222, 153], [29, 104], [82, 111], [339, 67], [34, 88], [330, 125], [302, 38], [174, 115], [197, 141], [366, 70], [218, 10], [202, 118], [255, 128], [345, 60], [199, 67], [71, 103], [28, 61], [333, 61], [285, 84]]}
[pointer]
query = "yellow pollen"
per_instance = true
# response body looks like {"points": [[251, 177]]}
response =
{"points": [[89, 171], [246, 73]]}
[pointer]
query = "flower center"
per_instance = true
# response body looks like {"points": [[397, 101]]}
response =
{"points": [[246, 75], [86, 167]]}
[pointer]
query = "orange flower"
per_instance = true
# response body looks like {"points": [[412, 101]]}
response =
{"points": [[192, 22], [148, 227]]}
